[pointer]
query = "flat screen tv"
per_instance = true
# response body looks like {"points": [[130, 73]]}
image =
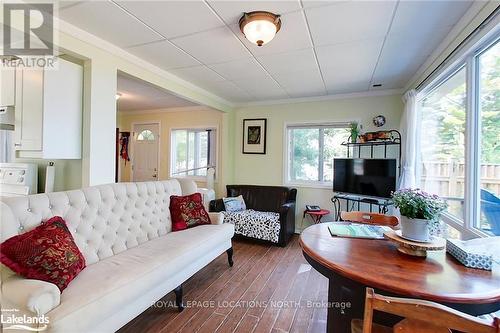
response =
{"points": [[367, 177]]}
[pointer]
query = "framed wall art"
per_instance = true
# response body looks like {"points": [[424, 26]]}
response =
{"points": [[254, 136]]}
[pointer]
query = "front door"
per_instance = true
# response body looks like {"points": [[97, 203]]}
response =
{"points": [[145, 152]]}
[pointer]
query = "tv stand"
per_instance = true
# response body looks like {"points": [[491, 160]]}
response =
{"points": [[351, 200]]}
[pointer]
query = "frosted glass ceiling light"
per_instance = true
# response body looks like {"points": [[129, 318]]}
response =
{"points": [[260, 27]]}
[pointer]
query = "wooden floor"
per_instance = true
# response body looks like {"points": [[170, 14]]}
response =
{"points": [[269, 289]]}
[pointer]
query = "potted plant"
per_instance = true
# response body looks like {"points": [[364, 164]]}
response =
{"points": [[355, 129], [419, 210]]}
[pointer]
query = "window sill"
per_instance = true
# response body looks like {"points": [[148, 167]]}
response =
{"points": [[468, 233]]}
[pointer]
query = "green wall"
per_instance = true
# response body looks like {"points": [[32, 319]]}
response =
{"points": [[268, 169]]}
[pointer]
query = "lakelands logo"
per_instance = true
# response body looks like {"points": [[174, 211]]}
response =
{"points": [[12, 320], [28, 35]]}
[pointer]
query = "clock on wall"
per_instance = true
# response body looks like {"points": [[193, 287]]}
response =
{"points": [[379, 121]]}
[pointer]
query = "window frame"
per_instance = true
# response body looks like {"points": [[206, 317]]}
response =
{"points": [[469, 227], [320, 125], [194, 129]]}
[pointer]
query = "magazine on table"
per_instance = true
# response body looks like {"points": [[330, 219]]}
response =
{"points": [[357, 230]]}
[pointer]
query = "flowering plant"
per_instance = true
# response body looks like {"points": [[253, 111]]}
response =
{"points": [[417, 204]]}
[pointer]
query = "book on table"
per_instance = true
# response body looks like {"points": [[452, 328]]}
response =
{"points": [[357, 230]]}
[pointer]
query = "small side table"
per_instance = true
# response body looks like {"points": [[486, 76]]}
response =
{"points": [[318, 215]]}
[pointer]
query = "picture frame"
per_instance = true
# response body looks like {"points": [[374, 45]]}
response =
{"points": [[254, 136]]}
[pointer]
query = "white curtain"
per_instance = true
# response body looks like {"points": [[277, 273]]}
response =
{"points": [[409, 138], [6, 151]]}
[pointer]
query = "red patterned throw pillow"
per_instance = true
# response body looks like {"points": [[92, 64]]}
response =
{"points": [[46, 253], [187, 211]]}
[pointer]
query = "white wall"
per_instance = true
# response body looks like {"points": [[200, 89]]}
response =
{"points": [[268, 169]]}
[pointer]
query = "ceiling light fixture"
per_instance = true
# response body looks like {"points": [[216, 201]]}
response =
{"points": [[260, 27]]}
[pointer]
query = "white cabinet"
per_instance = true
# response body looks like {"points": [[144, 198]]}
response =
{"points": [[7, 86], [49, 112]]}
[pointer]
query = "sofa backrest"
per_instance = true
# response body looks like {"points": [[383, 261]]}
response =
{"points": [[104, 220], [263, 198]]}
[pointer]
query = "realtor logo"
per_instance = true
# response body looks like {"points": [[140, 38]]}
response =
{"points": [[28, 29]]}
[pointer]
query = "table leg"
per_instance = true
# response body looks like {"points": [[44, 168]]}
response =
{"points": [[344, 305]]}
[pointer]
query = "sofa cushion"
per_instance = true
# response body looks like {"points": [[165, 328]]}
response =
{"points": [[46, 253], [255, 224], [187, 211], [234, 204]]}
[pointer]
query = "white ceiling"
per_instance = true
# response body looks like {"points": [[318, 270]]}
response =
{"points": [[323, 47], [139, 95]]}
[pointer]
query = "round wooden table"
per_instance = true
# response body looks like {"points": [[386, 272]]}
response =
{"points": [[353, 264]]}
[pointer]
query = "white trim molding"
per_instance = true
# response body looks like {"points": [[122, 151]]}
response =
{"points": [[361, 94]]}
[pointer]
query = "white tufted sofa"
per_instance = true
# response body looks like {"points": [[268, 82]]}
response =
{"points": [[133, 259]]}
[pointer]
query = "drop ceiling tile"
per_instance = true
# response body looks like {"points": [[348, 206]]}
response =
{"points": [[213, 46], [293, 35], [402, 56], [262, 88], [421, 18], [164, 55], [349, 21], [320, 3], [347, 87], [302, 83], [240, 69], [107, 21], [231, 11], [268, 94], [229, 91], [197, 75], [293, 61], [174, 18], [348, 63]]}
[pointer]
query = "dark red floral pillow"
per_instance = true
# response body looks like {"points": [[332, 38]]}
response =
{"points": [[46, 253], [187, 211]]}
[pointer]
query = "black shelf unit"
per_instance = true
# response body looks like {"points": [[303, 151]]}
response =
{"points": [[394, 140], [353, 200], [381, 204]]}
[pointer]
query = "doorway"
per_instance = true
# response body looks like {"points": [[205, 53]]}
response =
{"points": [[146, 144]]}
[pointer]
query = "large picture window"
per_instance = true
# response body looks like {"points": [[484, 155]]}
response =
{"points": [[459, 141], [193, 151], [311, 150], [443, 144]]}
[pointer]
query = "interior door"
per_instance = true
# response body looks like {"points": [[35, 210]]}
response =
{"points": [[145, 152]]}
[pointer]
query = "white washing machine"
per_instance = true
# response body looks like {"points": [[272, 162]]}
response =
{"points": [[18, 179]]}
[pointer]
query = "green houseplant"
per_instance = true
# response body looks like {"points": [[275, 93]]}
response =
{"points": [[354, 129], [418, 211]]}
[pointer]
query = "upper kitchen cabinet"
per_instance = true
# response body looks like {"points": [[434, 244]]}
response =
{"points": [[7, 86], [48, 111]]}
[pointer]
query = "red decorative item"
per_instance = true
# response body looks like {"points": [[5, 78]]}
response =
{"points": [[46, 253], [187, 211], [124, 140]]}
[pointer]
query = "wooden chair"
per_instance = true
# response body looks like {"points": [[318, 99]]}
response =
{"points": [[370, 218], [421, 317]]}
